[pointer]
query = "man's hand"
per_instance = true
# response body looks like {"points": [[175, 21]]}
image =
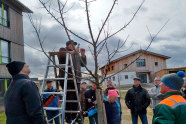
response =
{"points": [[82, 50], [77, 50], [89, 100], [72, 52], [95, 102]]}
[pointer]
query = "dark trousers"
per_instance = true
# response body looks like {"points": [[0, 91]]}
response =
{"points": [[143, 118], [51, 114], [71, 95], [93, 119]]}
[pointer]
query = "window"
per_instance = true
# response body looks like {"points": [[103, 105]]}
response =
{"points": [[125, 65], [140, 62], [113, 78], [4, 83], [4, 15], [4, 52], [126, 76], [112, 67], [156, 63]]}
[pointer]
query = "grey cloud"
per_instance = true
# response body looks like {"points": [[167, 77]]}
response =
{"points": [[177, 54]]}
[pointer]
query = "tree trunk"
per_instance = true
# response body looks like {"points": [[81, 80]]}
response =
{"points": [[101, 107]]}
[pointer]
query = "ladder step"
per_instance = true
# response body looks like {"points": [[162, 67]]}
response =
{"points": [[59, 65], [70, 111], [52, 108], [73, 101], [54, 79], [71, 90], [57, 93]]}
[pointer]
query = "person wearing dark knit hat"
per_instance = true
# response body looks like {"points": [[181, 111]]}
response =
{"points": [[15, 67], [172, 109], [22, 100]]}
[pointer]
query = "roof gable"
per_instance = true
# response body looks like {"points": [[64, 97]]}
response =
{"points": [[139, 51], [19, 5]]}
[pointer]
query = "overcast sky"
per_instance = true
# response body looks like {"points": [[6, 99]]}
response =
{"points": [[154, 13]]}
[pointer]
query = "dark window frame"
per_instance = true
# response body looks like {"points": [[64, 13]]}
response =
{"points": [[140, 63], [156, 63], [126, 77], [112, 67], [125, 65], [113, 78], [8, 57], [6, 8], [3, 89]]}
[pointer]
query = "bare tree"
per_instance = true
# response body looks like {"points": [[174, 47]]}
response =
{"points": [[95, 43]]}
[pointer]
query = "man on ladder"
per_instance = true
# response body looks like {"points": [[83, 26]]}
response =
{"points": [[78, 61]]}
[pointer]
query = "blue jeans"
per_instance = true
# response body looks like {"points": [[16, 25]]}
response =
{"points": [[143, 118], [51, 114], [93, 119]]}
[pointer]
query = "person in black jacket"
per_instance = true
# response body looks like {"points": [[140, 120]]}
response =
{"points": [[137, 100], [22, 100], [90, 97]]}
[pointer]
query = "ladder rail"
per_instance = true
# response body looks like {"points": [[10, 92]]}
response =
{"points": [[76, 88], [68, 64], [65, 88], [45, 76]]}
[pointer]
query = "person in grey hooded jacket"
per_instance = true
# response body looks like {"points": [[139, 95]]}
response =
{"points": [[155, 93], [22, 100]]}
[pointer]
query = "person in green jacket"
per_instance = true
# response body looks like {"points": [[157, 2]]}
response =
{"points": [[172, 109]]}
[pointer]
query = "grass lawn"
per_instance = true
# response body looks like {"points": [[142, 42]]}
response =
{"points": [[126, 117], [2, 118]]}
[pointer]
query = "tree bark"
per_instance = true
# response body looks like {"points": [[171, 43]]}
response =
{"points": [[101, 107]]}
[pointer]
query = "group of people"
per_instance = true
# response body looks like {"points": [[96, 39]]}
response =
{"points": [[111, 102], [168, 100], [23, 104]]}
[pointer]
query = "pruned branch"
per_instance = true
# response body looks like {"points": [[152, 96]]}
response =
{"points": [[57, 20], [134, 15]]}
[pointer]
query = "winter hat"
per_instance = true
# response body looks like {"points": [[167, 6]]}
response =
{"points": [[71, 42], [174, 81], [109, 83], [112, 93], [83, 83], [137, 78], [15, 67]]}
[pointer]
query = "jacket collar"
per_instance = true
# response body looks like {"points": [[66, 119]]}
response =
{"points": [[172, 93], [137, 88], [20, 76], [68, 49], [50, 89]]}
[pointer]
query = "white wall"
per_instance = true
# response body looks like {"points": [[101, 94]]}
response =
{"points": [[121, 77]]}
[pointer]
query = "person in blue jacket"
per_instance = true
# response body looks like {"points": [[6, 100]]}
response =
{"points": [[54, 103], [112, 107]]}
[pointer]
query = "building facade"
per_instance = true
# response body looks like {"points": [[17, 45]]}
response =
{"points": [[141, 63], [11, 38], [161, 73]]}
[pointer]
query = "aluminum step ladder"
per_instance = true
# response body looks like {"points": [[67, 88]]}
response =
{"points": [[62, 106]]}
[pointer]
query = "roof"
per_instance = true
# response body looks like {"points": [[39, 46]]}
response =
{"points": [[176, 68], [138, 51], [21, 6]]}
